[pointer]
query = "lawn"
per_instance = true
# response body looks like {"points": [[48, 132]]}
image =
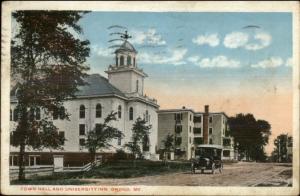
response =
{"points": [[117, 169]]}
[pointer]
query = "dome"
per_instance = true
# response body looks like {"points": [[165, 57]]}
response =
{"points": [[126, 46]]}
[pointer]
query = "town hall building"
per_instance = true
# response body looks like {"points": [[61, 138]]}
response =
{"points": [[121, 92]]}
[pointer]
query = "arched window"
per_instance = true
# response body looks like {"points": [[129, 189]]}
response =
{"points": [[134, 61], [128, 60], [117, 61], [137, 86], [130, 113], [119, 111], [10, 115], [82, 111], [38, 114], [16, 115], [98, 110], [62, 112], [121, 60]]}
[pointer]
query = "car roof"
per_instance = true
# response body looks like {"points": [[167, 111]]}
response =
{"points": [[209, 146]]}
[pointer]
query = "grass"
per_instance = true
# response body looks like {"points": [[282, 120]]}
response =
{"points": [[117, 169]]}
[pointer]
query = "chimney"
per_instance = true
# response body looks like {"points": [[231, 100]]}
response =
{"points": [[183, 107], [205, 124]]}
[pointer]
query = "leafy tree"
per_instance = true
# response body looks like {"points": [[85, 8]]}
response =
{"points": [[280, 153], [100, 137], [250, 135], [168, 146], [140, 130], [47, 66]]}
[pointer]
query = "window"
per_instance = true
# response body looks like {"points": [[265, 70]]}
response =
{"points": [[210, 141], [178, 117], [128, 60], [62, 112], [119, 141], [98, 110], [198, 140], [178, 128], [226, 153], [177, 141], [16, 115], [98, 128], [82, 129], [121, 60], [38, 114], [197, 119], [133, 61], [137, 86], [119, 112], [130, 113], [210, 119], [197, 130], [190, 140], [13, 160], [62, 135], [210, 130], [10, 115], [117, 61], [81, 141], [226, 142], [190, 129], [190, 117], [82, 111], [34, 160]]}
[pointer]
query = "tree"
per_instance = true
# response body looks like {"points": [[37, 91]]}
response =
{"points": [[168, 146], [140, 130], [250, 135], [282, 143], [100, 137], [47, 66]]}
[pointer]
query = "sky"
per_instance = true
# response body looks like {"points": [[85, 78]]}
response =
{"points": [[234, 62]]}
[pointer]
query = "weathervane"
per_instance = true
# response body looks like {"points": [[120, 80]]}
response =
{"points": [[126, 36]]}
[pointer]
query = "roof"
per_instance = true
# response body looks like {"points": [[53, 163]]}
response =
{"points": [[98, 85], [126, 46]]}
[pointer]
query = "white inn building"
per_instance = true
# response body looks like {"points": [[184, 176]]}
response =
{"points": [[122, 92]]}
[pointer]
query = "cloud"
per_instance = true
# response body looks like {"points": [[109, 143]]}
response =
{"points": [[147, 37], [264, 40], [175, 57], [235, 39], [289, 62], [272, 62], [101, 51], [193, 59], [259, 40], [211, 40], [219, 61]]}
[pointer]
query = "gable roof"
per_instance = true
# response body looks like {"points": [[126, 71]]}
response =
{"points": [[98, 85], [126, 46]]}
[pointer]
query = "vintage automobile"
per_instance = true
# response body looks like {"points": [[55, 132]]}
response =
{"points": [[207, 157]]}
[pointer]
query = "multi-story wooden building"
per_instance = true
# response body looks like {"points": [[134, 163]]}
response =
{"points": [[191, 128]]}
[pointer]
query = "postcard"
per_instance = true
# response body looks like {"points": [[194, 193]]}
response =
{"points": [[155, 98]]}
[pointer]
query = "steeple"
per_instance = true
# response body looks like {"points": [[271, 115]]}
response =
{"points": [[125, 74]]}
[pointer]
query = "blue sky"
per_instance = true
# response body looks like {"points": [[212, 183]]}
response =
{"points": [[211, 47]]}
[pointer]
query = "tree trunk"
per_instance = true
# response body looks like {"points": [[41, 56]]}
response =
{"points": [[21, 162]]}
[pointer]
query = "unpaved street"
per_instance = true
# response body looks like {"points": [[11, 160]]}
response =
{"points": [[237, 174]]}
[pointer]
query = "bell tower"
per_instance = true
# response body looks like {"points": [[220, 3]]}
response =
{"points": [[125, 74]]}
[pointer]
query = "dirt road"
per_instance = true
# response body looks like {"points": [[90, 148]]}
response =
{"points": [[237, 174]]}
